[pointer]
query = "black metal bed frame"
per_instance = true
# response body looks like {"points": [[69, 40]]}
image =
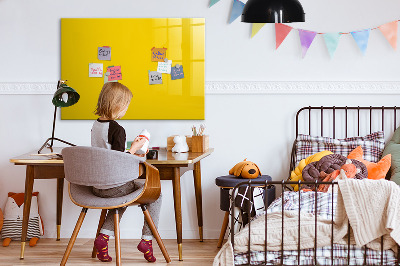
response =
{"points": [[283, 184]]}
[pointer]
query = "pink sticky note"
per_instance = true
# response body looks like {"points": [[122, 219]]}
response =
{"points": [[115, 73]]}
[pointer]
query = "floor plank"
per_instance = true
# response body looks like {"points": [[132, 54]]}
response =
{"points": [[50, 252]]}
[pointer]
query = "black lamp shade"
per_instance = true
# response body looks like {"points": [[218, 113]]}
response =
{"points": [[71, 99], [273, 11]]}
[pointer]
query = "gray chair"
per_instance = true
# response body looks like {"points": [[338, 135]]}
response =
{"points": [[85, 167]]}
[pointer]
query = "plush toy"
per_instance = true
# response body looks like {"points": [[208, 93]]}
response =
{"points": [[13, 215], [375, 170], [180, 144], [296, 174], [1, 220], [245, 169]]}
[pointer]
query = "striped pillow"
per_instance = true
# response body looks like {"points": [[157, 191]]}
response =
{"points": [[372, 145]]}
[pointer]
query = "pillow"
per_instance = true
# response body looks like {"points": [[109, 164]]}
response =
{"points": [[296, 174], [372, 144], [375, 170], [393, 148], [329, 164]]}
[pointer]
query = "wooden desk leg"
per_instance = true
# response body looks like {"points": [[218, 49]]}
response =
{"points": [[223, 229], [199, 204], [60, 191], [27, 206], [176, 182]]}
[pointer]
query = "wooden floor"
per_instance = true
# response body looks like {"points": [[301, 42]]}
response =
{"points": [[50, 252]]}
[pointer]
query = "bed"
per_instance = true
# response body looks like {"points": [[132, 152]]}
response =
{"points": [[298, 227]]}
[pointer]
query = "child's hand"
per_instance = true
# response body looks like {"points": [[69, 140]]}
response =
{"points": [[137, 144], [142, 155]]}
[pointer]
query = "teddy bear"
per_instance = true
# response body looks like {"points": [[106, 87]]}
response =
{"points": [[180, 144], [13, 215], [245, 169]]}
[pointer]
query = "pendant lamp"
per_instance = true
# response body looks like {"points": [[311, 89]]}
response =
{"points": [[272, 11], [63, 97]]}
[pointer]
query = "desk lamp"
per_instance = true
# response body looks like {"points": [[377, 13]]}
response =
{"points": [[272, 11], [63, 97]]}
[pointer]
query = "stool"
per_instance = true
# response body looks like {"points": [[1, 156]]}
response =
{"points": [[226, 183]]}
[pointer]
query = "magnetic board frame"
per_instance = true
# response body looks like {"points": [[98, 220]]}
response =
{"points": [[131, 40]]}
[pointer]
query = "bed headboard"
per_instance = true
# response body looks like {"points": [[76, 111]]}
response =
{"points": [[344, 121]]}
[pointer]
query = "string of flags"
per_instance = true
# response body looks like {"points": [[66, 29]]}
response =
{"points": [[361, 37]]}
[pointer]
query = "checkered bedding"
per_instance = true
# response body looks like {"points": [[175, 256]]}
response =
{"points": [[372, 145], [322, 207]]}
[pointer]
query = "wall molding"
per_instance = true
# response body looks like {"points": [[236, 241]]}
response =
{"points": [[303, 87], [247, 87]]}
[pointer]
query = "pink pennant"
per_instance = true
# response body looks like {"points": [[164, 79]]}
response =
{"points": [[281, 31], [306, 39], [389, 30]]}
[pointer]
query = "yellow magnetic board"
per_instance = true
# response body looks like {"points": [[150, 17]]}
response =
{"points": [[131, 41]]}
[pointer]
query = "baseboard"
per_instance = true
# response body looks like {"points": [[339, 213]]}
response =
{"points": [[246, 87]]}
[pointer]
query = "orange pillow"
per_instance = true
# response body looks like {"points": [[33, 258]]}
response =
{"points": [[375, 170]]}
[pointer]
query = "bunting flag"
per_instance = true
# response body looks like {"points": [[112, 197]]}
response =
{"points": [[255, 28], [306, 39], [361, 37], [237, 9], [389, 30], [281, 31], [332, 41], [213, 2]]}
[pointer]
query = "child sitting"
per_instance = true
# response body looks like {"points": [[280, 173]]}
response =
{"points": [[112, 104]]}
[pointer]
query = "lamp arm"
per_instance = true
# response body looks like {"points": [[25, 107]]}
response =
{"points": [[54, 126]]}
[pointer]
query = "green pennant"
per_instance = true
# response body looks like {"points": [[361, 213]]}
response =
{"points": [[213, 2]]}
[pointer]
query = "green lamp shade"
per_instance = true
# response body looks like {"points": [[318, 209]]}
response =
{"points": [[65, 96]]}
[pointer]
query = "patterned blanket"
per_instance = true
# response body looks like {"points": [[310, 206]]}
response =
{"points": [[321, 205]]}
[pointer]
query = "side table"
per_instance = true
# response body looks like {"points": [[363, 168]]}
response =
{"points": [[226, 183]]}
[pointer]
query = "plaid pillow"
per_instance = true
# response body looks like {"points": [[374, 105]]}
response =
{"points": [[372, 145]]}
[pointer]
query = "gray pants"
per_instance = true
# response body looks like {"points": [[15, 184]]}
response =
{"points": [[154, 208]]}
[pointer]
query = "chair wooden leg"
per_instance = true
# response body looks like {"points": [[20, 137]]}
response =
{"points": [[101, 222], [73, 237], [223, 229], [117, 239], [154, 230]]}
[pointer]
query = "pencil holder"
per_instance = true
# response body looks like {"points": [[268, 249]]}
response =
{"points": [[200, 143]]}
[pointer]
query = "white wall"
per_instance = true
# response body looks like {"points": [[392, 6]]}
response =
{"points": [[259, 127]]}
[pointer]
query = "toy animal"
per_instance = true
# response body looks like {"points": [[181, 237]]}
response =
{"points": [[180, 144], [13, 215], [245, 169], [1, 219]]}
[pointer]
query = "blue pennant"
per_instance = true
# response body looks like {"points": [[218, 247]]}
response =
{"points": [[237, 9], [361, 38]]}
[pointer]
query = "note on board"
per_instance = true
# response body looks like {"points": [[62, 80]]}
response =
{"points": [[164, 67], [155, 77], [106, 75], [104, 53], [95, 70], [177, 72], [158, 54], [115, 73]]}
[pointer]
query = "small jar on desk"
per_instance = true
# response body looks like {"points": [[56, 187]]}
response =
{"points": [[226, 183]]}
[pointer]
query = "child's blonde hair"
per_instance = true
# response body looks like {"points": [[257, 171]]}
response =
{"points": [[113, 98]]}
